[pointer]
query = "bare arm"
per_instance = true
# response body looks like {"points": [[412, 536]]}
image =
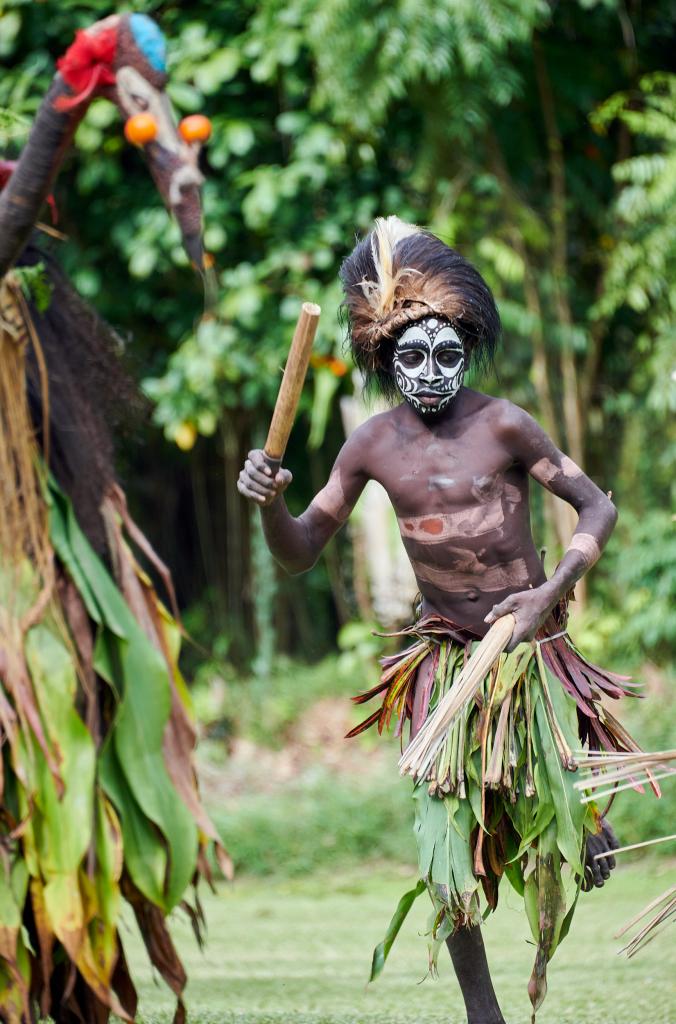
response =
{"points": [[597, 515], [296, 543]]}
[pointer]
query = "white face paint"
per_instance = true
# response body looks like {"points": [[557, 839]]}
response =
{"points": [[429, 364]]}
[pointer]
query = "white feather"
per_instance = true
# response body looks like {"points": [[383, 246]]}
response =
{"points": [[386, 235]]}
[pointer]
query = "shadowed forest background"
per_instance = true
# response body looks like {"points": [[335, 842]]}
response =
{"points": [[540, 140]]}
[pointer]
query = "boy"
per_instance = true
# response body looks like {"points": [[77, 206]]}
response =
{"points": [[456, 465]]}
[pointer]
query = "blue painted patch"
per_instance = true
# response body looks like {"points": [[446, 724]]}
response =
{"points": [[149, 40]]}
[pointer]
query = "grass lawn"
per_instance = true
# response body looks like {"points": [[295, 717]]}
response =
{"points": [[299, 951]]}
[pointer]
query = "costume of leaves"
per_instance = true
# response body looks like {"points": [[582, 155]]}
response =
{"points": [[499, 799], [99, 802]]}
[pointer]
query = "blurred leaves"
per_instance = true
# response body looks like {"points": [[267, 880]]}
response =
{"points": [[433, 110], [646, 573], [641, 272]]}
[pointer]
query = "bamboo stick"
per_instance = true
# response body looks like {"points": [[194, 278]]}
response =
{"points": [[292, 382]]}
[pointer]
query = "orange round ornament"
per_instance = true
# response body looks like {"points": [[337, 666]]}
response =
{"points": [[140, 129], [195, 128]]}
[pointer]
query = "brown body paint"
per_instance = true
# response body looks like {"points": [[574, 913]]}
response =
{"points": [[470, 573], [469, 541], [546, 470], [587, 546], [331, 499], [468, 522]]}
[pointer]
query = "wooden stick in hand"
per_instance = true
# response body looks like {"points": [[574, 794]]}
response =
{"points": [[292, 383]]}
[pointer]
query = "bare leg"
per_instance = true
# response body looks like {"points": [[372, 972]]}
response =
{"points": [[468, 954]]}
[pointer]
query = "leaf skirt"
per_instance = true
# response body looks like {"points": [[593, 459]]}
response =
{"points": [[499, 798], [98, 797]]}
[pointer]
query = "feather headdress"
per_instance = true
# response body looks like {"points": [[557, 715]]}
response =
{"points": [[380, 294], [400, 273]]}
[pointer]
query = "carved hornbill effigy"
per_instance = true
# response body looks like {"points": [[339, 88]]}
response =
{"points": [[99, 803]]}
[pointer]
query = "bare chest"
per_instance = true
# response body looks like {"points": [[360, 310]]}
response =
{"points": [[457, 494], [432, 477]]}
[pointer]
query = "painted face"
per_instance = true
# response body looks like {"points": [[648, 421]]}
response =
{"points": [[429, 364]]}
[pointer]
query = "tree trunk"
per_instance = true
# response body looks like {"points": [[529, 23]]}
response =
{"points": [[572, 414]]}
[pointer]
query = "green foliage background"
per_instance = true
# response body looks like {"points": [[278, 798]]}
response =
{"points": [[539, 138]]}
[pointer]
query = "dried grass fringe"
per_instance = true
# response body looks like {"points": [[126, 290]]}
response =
{"points": [[24, 527]]}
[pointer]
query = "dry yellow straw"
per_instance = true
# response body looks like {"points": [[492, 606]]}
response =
{"points": [[620, 770], [419, 755], [666, 903], [23, 524]]}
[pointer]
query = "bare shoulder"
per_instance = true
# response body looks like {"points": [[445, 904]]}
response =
{"points": [[362, 449], [377, 428], [500, 414], [513, 424], [513, 427]]}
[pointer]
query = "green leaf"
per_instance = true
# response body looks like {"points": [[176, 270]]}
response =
{"points": [[381, 952], [544, 807], [138, 673], [444, 853], [142, 677], [13, 887], [513, 864], [108, 846], [103, 600], [431, 823], [568, 919], [35, 284], [145, 854], [220, 68], [530, 900], [568, 809], [60, 850], [512, 666], [474, 797], [460, 857], [546, 906], [326, 385]]}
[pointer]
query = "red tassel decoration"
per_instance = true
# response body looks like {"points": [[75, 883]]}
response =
{"points": [[86, 65]]}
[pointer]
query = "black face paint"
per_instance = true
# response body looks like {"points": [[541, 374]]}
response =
{"points": [[429, 364]]}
